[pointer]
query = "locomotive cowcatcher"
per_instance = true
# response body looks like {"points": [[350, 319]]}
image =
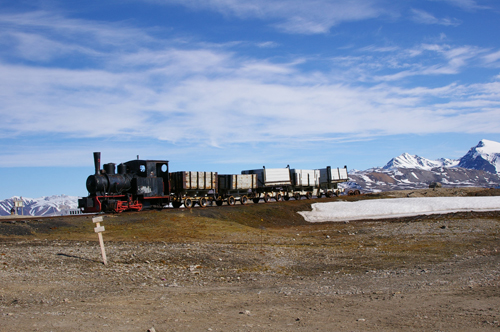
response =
{"points": [[132, 185]]}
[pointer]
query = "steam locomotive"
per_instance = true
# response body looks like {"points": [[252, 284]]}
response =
{"points": [[145, 184]]}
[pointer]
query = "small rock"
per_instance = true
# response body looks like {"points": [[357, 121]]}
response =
{"points": [[152, 330]]}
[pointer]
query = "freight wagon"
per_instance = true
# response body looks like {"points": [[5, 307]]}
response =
{"points": [[271, 183], [236, 187], [189, 188], [329, 179]]}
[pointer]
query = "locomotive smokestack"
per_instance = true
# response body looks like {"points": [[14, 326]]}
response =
{"points": [[97, 162]]}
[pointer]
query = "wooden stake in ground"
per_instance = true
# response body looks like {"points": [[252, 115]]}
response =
{"points": [[99, 229]]}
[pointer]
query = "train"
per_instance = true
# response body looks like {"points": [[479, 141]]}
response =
{"points": [[138, 184]]}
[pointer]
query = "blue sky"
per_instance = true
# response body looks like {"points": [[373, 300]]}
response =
{"points": [[227, 85]]}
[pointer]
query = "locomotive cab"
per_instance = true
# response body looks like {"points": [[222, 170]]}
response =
{"points": [[150, 177]]}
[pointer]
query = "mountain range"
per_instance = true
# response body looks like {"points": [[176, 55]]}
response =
{"points": [[479, 167], [43, 206]]}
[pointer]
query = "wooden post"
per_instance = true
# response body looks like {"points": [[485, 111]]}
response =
{"points": [[99, 229]]}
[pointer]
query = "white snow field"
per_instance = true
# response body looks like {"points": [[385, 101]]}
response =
{"points": [[397, 207]]}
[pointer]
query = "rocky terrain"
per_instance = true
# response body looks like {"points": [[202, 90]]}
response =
{"points": [[259, 267]]}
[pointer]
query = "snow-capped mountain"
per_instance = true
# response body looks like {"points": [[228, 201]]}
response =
{"points": [[479, 167], [484, 156], [407, 160], [43, 206]]}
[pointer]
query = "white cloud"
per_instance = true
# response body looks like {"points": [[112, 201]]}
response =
{"points": [[465, 4], [394, 64], [293, 16], [492, 58], [268, 44], [424, 17]]}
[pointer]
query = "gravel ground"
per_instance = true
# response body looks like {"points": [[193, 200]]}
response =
{"points": [[431, 273]]}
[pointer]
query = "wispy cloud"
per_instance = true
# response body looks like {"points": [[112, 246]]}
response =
{"points": [[465, 4], [293, 16], [396, 63], [492, 59], [424, 17]]}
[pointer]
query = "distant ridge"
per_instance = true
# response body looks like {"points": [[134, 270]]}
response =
{"points": [[43, 206], [407, 160]]}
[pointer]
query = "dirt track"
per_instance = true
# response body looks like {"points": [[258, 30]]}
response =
{"points": [[253, 268]]}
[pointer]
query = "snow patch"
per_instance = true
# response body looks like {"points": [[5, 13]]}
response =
{"points": [[397, 207]]}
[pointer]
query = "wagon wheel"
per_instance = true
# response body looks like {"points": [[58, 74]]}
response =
{"points": [[267, 198], [244, 200], [320, 194], [329, 194], [202, 202], [219, 202], [279, 198], [357, 192], [188, 202], [231, 200], [308, 195], [350, 193], [297, 197]]}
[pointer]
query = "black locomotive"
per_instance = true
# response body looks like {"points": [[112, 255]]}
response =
{"points": [[137, 184]]}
